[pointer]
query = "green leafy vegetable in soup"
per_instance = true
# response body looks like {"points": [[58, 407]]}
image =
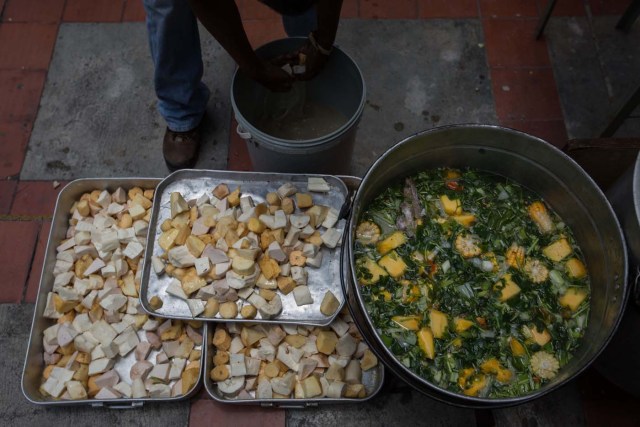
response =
{"points": [[472, 281]]}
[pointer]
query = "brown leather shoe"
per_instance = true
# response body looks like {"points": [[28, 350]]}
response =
{"points": [[180, 149]]}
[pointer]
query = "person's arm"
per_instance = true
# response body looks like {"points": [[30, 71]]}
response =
{"points": [[222, 19], [328, 18]]}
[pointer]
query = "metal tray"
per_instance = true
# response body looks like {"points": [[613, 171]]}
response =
{"points": [[192, 184], [372, 380], [34, 364]]}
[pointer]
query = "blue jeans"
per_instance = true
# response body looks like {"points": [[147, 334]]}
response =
{"points": [[177, 59]]}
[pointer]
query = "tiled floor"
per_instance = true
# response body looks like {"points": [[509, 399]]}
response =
{"points": [[522, 80]]}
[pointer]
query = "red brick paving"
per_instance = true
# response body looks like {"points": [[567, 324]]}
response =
{"points": [[14, 138], [40, 11], [447, 9], [261, 31], [93, 11], [510, 43], [397, 9], [350, 9], [252, 9], [565, 7], [26, 45], [35, 198], [525, 94], [23, 88], [7, 188], [604, 403], [16, 252], [206, 412], [133, 11], [508, 8], [33, 281], [609, 7]]}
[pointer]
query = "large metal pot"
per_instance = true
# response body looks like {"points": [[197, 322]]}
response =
{"points": [[545, 170]]}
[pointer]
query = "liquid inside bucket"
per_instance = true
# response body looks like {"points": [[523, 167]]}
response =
{"points": [[310, 129]]}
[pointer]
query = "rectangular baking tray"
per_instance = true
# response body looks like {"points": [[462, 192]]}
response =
{"points": [[192, 184], [371, 379], [34, 363]]}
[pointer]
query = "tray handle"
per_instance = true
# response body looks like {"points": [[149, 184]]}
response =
{"points": [[132, 405]]}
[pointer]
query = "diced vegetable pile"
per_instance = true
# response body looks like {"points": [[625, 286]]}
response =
{"points": [[472, 281], [233, 255], [99, 320], [291, 361]]}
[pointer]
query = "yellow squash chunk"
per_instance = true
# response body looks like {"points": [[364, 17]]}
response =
{"points": [[510, 288], [457, 342], [477, 384], [393, 263], [375, 270], [464, 376], [517, 349], [438, 321], [541, 338], [425, 341], [558, 250], [573, 298], [411, 323], [462, 324], [451, 207], [465, 220], [493, 366], [396, 239], [168, 239], [575, 268]]}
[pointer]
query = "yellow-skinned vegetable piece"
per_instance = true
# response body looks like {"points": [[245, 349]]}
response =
{"points": [[558, 250], [477, 383], [540, 216], [451, 174], [493, 366], [438, 321], [464, 375], [411, 323], [375, 270], [510, 289], [466, 220], [393, 263], [573, 298], [462, 324], [395, 240], [457, 342], [540, 337], [515, 256], [517, 349], [575, 268], [425, 341], [386, 295], [451, 207]]}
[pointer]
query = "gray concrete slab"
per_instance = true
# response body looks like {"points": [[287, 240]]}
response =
{"points": [[561, 408], [419, 74], [15, 410], [396, 405], [595, 67], [98, 115]]}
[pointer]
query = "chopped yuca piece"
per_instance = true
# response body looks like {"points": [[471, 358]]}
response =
{"points": [[302, 295], [318, 185]]}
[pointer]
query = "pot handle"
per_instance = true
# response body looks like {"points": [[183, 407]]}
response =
{"points": [[243, 133]]}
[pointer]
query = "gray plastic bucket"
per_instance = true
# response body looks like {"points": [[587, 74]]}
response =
{"points": [[340, 85]]}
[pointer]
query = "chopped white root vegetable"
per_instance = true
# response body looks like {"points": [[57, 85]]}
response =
{"points": [[286, 190], [196, 307], [272, 308], [315, 261], [178, 204], [237, 365], [100, 366], [158, 265], [175, 289], [231, 386], [181, 257], [202, 266], [299, 275], [108, 393], [302, 295], [331, 218], [318, 185], [331, 238]]}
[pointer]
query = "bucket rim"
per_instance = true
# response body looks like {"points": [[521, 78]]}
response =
{"points": [[269, 140]]}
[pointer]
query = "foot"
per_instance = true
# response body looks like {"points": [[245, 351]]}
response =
{"points": [[180, 149]]}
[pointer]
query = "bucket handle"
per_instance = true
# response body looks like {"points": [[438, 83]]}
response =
{"points": [[243, 133]]}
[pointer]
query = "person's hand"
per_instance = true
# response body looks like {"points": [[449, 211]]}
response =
{"points": [[309, 56], [271, 76]]}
